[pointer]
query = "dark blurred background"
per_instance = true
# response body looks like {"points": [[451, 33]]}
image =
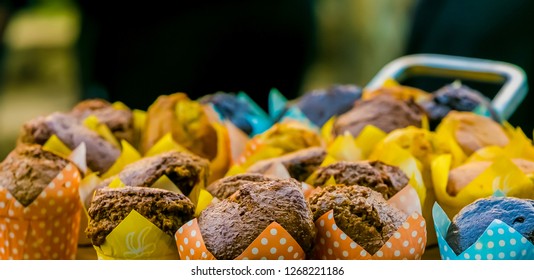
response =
{"points": [[56, 52]]}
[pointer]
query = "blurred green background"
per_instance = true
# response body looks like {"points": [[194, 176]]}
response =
{"points": [[39, 64]]}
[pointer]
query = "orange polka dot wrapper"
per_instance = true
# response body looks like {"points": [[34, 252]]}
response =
{"points": [[498, 242], [274, 243], [407, 243], [47, 229]]}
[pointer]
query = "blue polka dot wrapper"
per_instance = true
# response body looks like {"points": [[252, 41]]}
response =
{"points": [[498, 242]]}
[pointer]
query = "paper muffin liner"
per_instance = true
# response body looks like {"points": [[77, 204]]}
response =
{"points": [[407, 243], [257, 148], [47, 229], [218, 166], [274, 243], [502, 175], [259, 120], [498, 242], [136, 238]]}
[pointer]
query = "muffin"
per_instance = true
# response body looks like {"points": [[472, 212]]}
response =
{"points": [[120, 122], [361, 213], [40, 205], [470, 223], [166, 210], [183, 169], [27, 170], [229, 226], [461, 176], [300, 164], [101, 154], [339, 98], [380, 177], [185, 120], [473, 132], [225, 187], [455, 97], [383, 111]]}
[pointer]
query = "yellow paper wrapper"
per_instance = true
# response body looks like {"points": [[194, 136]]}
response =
{"points": [[47, 229], [165, 144], [326, 130], [280, 139], [139, 120], [368, 138], [220, 164], [392, 154], [502, 175], [128, 155], [446, 132], [274, 243], [136, 238], [103, 130], [344, 148]]}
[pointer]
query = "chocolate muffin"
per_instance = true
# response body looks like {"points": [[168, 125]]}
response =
{"points": [[166, 210], [229, 226], [468, 225], [119, 121], [384, 111], [455, 97], [183, 169], [359, 212], [100, 153], [300, 164], [338, 98], [27, 170], [225, 187], [385, 179]]}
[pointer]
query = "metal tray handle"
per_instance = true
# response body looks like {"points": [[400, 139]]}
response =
{"points": [[506, 101]]}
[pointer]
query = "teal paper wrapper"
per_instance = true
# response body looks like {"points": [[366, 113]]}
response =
{"points": [[259, 120], [498, 242], [277, 103]]}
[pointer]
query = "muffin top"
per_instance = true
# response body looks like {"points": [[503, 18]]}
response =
{"points": [[300, 164], [359, 212], [229, 226], [120, 122], [166, 210], [225, 187], [471, 222], [380, 177], [27, 170], [185, 170], [384, 111], [101, 154]]}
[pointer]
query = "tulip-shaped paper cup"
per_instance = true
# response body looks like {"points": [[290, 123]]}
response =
{"points": [[274, 243], [498, 242], [136, 238], [48, 227], [407, 243]]}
